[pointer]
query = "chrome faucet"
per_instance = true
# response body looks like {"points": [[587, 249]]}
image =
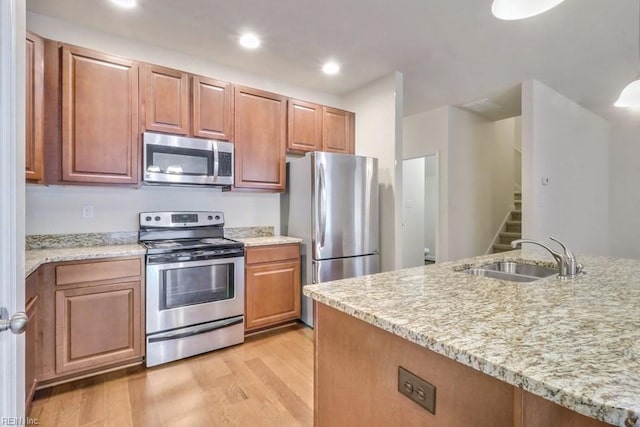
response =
{"points": [[567, 264]]}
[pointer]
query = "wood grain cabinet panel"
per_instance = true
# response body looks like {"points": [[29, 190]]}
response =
{"points": [[272, 285], [34, 106], [304, 131], [99, 118], [97, 326], [212, 109], [260, 139], [166, 100], [273, 293], [32, 349], [338, 131]]}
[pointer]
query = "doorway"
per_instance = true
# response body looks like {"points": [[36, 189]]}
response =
{"points": [[419, 210]]}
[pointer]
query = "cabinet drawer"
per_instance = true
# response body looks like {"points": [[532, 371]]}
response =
{"points": [[96, 271], [272, 253]]}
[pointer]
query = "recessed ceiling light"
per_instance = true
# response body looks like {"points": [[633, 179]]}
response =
{"points": [[125, 4], [520, 9], [331, 68], [249, 41]]}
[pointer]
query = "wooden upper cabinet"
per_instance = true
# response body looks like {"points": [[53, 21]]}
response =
{"points": [[166, 100], [99, 118], [304, 127], [212, 109], [338, 131], [260, 139], [34, 106]]}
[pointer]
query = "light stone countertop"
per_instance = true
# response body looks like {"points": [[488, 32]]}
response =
{"points": [[573, 342], [36, 257], [268, 240]]}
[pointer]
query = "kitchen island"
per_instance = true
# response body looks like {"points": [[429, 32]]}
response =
{"points": [[547, 352]]}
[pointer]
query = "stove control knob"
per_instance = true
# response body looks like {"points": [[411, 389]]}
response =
{"points": [[148, 218], [209, 217], [217, 217], [157, 218]]}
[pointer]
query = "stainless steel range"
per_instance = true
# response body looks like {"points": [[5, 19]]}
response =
{"points": [[195, 285]]}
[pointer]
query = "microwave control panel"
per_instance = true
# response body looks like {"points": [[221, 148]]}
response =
{"points": [[225, 164]]}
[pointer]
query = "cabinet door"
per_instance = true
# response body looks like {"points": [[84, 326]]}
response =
{"points": [[212, 108], [260, 145], [166, 100], [304, 127], [99, 118], [272, 293], [98, 326], [338, 131], [34, 84], [32, 350]]}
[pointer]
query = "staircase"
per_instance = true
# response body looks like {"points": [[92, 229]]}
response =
{"points": [[513, 227]]}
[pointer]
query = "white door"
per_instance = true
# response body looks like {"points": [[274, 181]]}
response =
{"points": [[12, 23]]}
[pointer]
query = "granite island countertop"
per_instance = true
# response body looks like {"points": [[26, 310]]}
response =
{"points": [[573, 342], [34, 258]]}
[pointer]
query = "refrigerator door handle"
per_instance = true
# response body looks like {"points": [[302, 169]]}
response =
{"points": [[323, 207]]}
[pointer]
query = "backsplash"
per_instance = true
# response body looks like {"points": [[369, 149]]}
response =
{"points": [[78, 240]]}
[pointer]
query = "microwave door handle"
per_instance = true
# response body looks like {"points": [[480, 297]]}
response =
{"points": [[216, 163]]}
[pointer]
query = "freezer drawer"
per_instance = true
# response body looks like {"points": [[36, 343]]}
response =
{"points": [[335, 269]]}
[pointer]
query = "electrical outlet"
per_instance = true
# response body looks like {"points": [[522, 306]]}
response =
{"points": [[87, 211], [417, 389]]}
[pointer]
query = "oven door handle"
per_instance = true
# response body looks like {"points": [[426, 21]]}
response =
{"points": [[197, 330]]}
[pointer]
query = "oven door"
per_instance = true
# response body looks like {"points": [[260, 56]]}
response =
{"points": [[193, 292]]}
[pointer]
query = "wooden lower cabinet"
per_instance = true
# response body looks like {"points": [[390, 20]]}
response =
{"points": [[272, 282], [92, 317], [356, 383], [97, 325], [32, 353]]}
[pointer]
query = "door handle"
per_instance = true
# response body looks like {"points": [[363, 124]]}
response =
{"points": [[16, 324], [323, 208]]}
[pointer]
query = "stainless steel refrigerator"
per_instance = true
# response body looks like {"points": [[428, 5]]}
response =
{"points": [[332, 204]]}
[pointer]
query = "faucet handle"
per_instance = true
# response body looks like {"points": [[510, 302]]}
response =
{"points": [[567, 252]]}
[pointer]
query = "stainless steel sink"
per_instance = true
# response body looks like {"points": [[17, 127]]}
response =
{"points": [[513, 271]]}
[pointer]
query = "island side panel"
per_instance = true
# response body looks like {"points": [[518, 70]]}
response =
{"points": [[357, 380], [534, 411]]}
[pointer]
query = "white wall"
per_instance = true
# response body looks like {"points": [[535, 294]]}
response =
{"points": [[427, 133], [413, 212], [569, 145], [378, 108], [56, 209], [624, 193], [470, 184]]}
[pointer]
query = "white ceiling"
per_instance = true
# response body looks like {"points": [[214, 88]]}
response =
{"points": [[450, 51]]}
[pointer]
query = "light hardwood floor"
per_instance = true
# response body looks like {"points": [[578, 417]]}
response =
{"points": [[267, 381]]}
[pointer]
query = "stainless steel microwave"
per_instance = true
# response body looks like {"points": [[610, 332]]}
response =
{"points": [[178, 160]]}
